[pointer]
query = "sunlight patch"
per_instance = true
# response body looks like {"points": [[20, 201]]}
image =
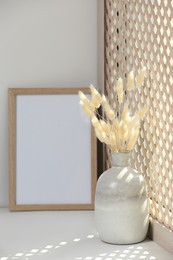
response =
{"points": [[139, 247], [90, 236], [29, 254], [44, 251], [76, 240], [49, 246], [130, 247], [34, 250], [126, 251], [63, 243], [19, 254]]}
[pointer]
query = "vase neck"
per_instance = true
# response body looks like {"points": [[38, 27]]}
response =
{"points": [[120, 159]]}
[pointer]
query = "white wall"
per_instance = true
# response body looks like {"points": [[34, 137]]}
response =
{"points": [[43, 43]]}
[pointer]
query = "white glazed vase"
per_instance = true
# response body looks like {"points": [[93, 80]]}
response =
{"points": [[121, 203]]}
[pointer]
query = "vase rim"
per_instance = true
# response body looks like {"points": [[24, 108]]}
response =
{"points": [[121, 152], [120, 158]]}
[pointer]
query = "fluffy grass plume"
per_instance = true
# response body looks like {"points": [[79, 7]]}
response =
{"points": [[130, 81], [121, 128], [109, 112], [96, 97], [120, 90], [140, 77]]}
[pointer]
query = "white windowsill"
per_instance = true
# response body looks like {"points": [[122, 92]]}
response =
{"points": [[64, 235]]}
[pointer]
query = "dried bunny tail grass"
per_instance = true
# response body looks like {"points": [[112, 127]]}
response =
{"points": [[87, 104], [114, 148], [119, 133], [116, 130], [105, 138], [140, 77], [95, 93], [134, 121], [96, 98], [113, 142], [132, 140], [109, 112], [95, 102], [123, 131], [130, 81], [99, 136], [142, 112], [100, 133], [116, 127], [113, 139], [126, 113], [120, 90], [86, 101], [95, 122], [106, 127], [86, 109], [83, 97]]}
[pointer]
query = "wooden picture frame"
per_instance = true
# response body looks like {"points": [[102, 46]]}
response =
{"points": [[52, 151]]}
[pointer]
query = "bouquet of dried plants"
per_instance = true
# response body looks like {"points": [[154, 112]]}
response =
{"points": [[120, 129]]}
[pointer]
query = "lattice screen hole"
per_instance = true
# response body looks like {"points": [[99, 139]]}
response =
{"points": [[163, 153], [161, 67], [151, 147], [163, 171], [167, 202], [157, 132], [158, 39], [160, 144], [167, 183], [154, 140], [170, 175], [167, 126], [167, 107], [171, 78], [157, 149], [168, 33], [171, 22], [170, 194], [160, 161], [167, 146]]}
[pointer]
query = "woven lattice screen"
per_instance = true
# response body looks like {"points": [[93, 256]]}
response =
{"points": [[140, 33]]}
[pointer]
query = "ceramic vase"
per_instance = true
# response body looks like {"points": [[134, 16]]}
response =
{"points": [[121, 203]]}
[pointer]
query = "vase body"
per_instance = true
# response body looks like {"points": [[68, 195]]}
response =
{"points": [[121, 203]]}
